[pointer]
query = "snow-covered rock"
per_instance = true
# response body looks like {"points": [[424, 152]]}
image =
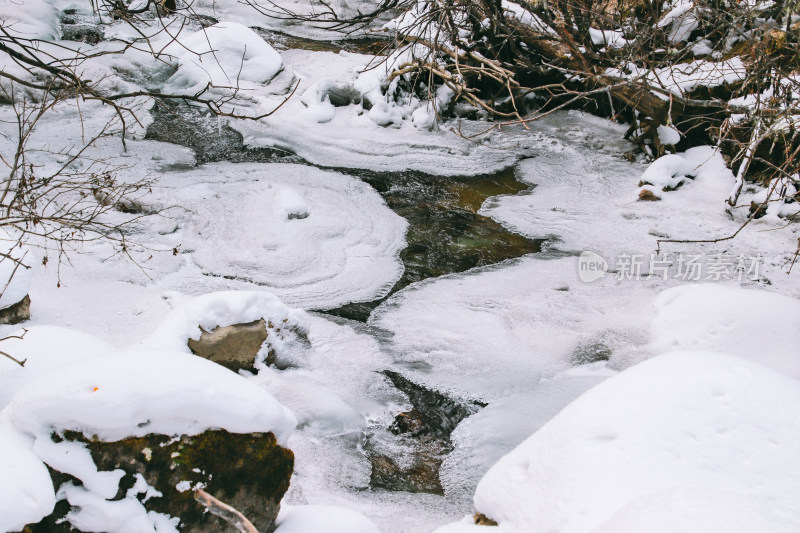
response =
{"points": [[137, 393], [748, 323], [671, 171], [711, 511], [282, 327], [685, 422], [44, 349], [223, 55]]}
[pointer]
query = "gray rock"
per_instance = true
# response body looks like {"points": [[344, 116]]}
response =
{"points": [[16, 313], [340, 93], [234, 347]]}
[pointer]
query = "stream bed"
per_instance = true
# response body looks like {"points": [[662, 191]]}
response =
{"points": [[446, 235]]}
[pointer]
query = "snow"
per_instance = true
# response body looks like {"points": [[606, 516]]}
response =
{"points": [[778, 198], [226, 308], [306, 518], [680, 20], [526, 17], [31, 19], [508, 334], [244, 230], [185, 394], [668, 135], [223, 55], [752, 324], [702, 48], [483, 438], [683, 421], [714, 511], [671, 171], [448, 331], [44, 349], [612, 38], [340, 398], [30, 496], [585, 197], [17, 262], [271, 16], [684, 78], [292, 204], [91, 512], [382, 138]]}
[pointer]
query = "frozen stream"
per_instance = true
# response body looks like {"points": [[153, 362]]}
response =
{"points": [[473, 328], [437, 277]]}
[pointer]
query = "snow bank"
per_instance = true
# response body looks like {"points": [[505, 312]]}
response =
{"points": [[686, 421], [752, 324], [226, 308], [323, 129], [26, 493], [482, 439], [328, 518], [223, 55], [44, 349], [137, 393], [316, 239], [584, 199], [709, 511], [671, 171]]}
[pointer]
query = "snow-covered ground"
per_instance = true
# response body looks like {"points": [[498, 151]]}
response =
{"points": [[589, 425]]}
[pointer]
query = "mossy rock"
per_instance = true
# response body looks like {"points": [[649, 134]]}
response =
{"points": [[249, 472]]}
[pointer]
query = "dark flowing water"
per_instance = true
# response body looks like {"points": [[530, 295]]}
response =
{"points": [[446, 234]]}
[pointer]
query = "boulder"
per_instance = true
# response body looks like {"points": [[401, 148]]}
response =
{"points": [[234, 347], [16, 313], [239, 346], [249, 472]]}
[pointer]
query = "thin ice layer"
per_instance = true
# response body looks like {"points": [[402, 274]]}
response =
{"points": [[497, 331], [239, 226]]}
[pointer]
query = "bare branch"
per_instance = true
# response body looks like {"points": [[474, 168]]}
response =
{"points": [[224, 511]]}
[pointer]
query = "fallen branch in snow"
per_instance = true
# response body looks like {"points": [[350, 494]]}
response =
{"points": [[224, 511], [705, 241], [20, 363]]}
